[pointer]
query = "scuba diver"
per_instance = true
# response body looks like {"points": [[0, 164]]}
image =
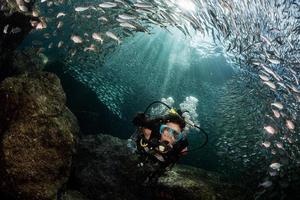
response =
{"points": [[162, 140]]}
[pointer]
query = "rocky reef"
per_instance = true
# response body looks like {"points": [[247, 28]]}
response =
{"points": [[104, 168], [37, 134]]}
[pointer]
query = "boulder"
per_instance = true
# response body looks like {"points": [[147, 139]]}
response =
{"points": [[37, 136], [104, 168]]}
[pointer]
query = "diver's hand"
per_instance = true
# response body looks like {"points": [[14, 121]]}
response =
{"points": [[140, 119]]}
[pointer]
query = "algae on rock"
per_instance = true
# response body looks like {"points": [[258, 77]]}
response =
{"points": [[37, 133]]}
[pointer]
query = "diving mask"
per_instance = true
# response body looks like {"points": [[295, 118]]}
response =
{"points": [[177, 135]]}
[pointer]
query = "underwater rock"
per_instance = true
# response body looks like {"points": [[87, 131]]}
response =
{"points": [[104, 168], [73, 195], [37, 134], [14, 27], [29, 60]]}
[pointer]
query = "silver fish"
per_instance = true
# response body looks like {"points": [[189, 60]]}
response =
{"points": [[270, 84], [127, 25], [264, 78], [274, 61], [270, 130], [16, 30], [275, 166], [60, 24], [290, 125], [97, 37], [60, 43], [103, 19], [5, 30], [266, 144], [277, 105], [76, 39], [127, 17], [266, 184], [60, 14], [108, 5], [81, 9], [113, 36], [142, 5]]}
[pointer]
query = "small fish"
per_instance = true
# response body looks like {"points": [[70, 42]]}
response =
{"points": [[278, 78], [92, 47], [264, 78], [60, 24], [108, 5], [60, 43], [275, 166], [266, 144], [60, 14], [276, 113], [121, 20], [290, 140], [76, 39], [274, 61], [277, 105], [289, 124], [73, 52], [296, 79], [5, 30], [97, 37], [113, 36], [47, 35], [282, 85], [103, 19], [297, 97], [127, 25], [273, 173], [81, 9], [279, 145], [270, 84], [142, 5], [270, 130], [266, 184], [294, 89], [50, 45], [126, 17], [16, 30], [265, 39]]}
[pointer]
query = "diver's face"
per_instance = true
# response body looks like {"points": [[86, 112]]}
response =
{"points": [[166, 136]]}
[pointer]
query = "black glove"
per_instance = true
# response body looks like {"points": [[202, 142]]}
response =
{"points": [[140, 119]]}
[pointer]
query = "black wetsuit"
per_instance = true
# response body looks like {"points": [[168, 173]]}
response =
{"points": [[171, 156]]}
